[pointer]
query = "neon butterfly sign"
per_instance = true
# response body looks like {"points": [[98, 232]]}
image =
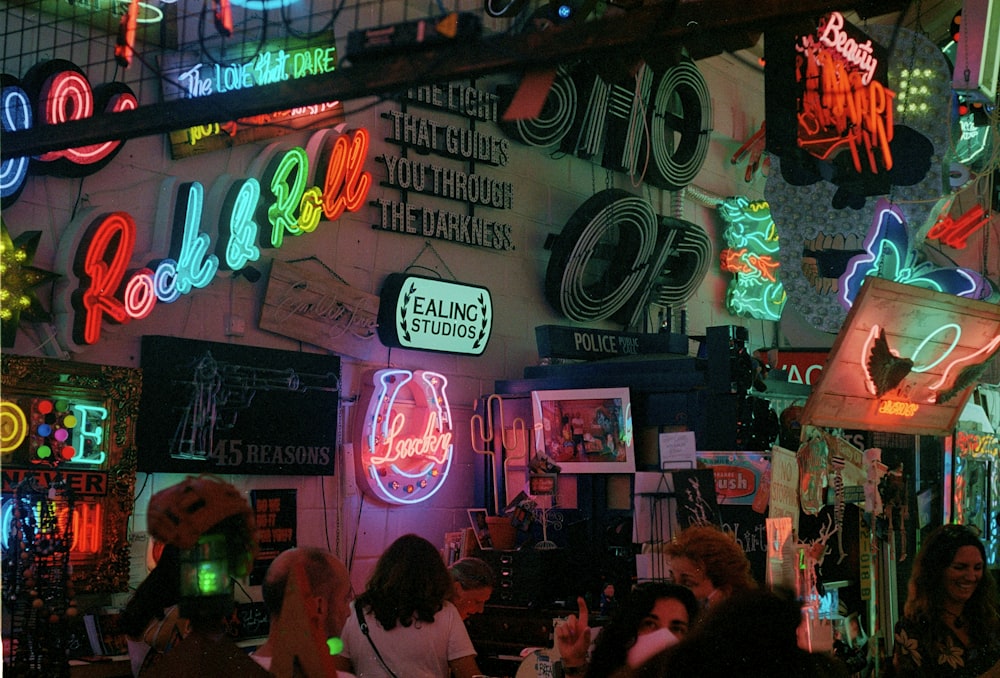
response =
{"points": [[888, 255]]}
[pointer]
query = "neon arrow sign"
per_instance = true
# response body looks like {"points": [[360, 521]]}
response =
{"points": [[407, 446]]}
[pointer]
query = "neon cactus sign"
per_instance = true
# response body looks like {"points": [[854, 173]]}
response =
{"points": [[283, 196], [407, 446]]}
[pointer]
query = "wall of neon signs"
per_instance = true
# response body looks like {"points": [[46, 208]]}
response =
{"points": [[74, 423], [209, 407]]}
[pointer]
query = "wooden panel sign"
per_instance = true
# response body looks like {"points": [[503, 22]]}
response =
{"points": [[311, 305], [905, 361]]}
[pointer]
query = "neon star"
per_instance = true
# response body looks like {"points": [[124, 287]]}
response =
{"points": [[18, 279]]}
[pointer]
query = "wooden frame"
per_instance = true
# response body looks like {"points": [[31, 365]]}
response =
{"points": [[585, 430], [97, 406]]}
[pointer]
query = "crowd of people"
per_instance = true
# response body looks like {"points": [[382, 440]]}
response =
{"points": [[712, 619]]}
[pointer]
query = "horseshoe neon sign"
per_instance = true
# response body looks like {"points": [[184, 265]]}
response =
{"points": [[407, 446]]}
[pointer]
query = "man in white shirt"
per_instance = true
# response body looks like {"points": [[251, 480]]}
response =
{"points": [[307, 592]]}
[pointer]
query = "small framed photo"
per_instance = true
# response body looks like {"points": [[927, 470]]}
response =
{"points": [[585, 430], [482, 529], [542, 484]]}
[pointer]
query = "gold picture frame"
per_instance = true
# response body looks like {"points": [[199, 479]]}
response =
{"points": [[95, 407]]}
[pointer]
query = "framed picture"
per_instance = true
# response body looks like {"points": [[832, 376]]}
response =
{"points": [[71, 426], [542, 484], [482, 529], [585, 430]]}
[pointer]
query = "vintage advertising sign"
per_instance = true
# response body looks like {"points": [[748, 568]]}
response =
{"points": [[905, 361], [312, 305], [277, 523], [222, 408], [737, 474], [428, 314], [406, 436]]}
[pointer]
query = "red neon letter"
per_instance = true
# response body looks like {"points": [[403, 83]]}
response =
{"points": [[109, 247], [346, 185]]}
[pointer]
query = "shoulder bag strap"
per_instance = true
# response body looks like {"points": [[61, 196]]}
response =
{"points": [[364, 629]]}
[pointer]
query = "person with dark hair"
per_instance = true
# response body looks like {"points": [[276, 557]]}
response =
{"points": [[403, 625], [324, 603], [473, 585], [654, 616], [710, 563], [151, 618], [209, 535], [951, 624], [751, 634]]}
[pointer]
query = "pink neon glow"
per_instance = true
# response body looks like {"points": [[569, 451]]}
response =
{"points": [[67, 96], [107, 257], [866, 350], [985, 350], [140, 294]]}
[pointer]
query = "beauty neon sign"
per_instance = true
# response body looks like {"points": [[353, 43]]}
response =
{"points": [[844, 106], [407, 440], [291, 198]]}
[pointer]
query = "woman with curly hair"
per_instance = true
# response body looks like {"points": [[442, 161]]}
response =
{"points": [[403, 625], [950, 625], [710, 563]]}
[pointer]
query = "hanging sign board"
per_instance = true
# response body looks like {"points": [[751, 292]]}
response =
{"points": [[428, 314], [905, 361], [310, 304]]}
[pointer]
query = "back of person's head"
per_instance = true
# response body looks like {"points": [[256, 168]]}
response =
{"points": [[325, 575], [717, 553], [409, 583], [620, 633], [472, 573], [925, 590], [751, 634], [158, 591]]}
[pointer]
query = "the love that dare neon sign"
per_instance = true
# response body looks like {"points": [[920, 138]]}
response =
{"points": [[844, 104], [406, 446], [290, 198], [52, 93]]}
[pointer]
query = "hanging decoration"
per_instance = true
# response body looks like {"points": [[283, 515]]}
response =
{"points": [[18, 298], [37, 589]]}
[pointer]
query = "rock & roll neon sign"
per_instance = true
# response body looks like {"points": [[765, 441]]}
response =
{"points": [[407, 442], [290, 199]]}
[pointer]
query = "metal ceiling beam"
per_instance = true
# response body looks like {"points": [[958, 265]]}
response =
{"points": [[704, 27]]}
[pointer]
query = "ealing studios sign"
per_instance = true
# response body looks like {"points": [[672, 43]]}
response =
{"points": [[428, 314]]}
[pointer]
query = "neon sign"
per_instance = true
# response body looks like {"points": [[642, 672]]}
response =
{"points": [[57, 430], [844, 107], [955, 232], [186, 80], [407, 446], [296, 208], [752, 240], [64, 94], [888, 255], [87, 526]]}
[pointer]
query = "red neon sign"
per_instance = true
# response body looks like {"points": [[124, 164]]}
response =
{"points": [[406, 444], [843, 108], [109, 242]]}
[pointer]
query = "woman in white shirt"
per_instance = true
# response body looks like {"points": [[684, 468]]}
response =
{"points": [[403, 625]]}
